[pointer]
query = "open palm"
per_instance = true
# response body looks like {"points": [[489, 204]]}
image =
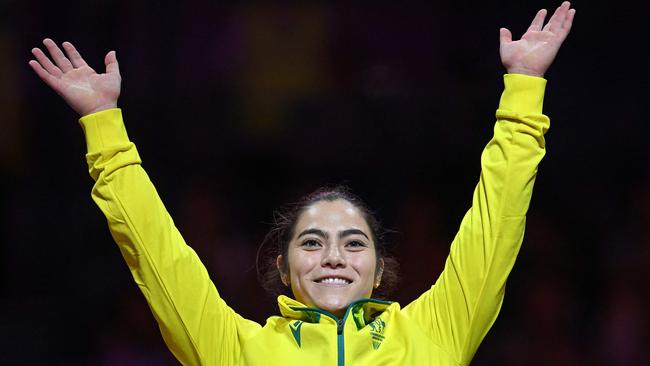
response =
{"points": [[536, 50], [81, 87]]}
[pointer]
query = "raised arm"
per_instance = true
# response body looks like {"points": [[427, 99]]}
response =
{"points": [[464, 302], [197, 325]]}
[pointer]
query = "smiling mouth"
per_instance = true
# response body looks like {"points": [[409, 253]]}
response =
{"points": [[333, 281]]}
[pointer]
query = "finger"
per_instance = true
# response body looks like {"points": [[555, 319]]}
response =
{"points": [[73, 54], [45, 62], [555, 23], [57, 55], [568, 22], [505, 36], [46, 76], [564, 30], [538, 21], [111, 63]]}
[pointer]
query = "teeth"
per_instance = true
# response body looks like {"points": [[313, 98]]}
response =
{"points": [[334, 280]]}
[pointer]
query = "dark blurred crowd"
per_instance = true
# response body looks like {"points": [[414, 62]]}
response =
{"points": [[238, 109]]}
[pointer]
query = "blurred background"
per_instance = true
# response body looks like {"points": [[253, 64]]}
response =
{"points": [[238, 108]]}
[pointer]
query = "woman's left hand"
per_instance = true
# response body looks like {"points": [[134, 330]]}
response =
{"points": [[536, 50]]}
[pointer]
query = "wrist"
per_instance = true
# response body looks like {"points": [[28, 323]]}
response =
{"points": [[525, 71], [100, 108]]}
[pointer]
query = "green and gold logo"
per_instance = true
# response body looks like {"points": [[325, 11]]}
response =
{"points": [[377, 328], [295, 330]]}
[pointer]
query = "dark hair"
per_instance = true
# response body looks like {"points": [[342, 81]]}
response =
{"points": [[277, 241]]}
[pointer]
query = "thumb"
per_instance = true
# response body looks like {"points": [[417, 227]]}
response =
{"points": [[505, 36], [111, 63]]}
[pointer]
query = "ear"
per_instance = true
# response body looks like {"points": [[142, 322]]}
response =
{"points": [[379, 272], [279, 263]]}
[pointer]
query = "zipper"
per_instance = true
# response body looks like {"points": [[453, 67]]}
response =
{"points": [[340, 341], [339, 326]]}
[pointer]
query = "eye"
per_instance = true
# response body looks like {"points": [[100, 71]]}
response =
{"points": [[356, 244], [310, 244]]}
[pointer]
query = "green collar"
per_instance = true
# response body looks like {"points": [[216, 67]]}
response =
{"points": [[361, 311]]}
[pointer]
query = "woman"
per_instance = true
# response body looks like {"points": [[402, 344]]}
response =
{"points": [[328, 248]]}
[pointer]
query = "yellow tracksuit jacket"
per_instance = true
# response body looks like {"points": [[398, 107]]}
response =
{"points": [[444, 326]]}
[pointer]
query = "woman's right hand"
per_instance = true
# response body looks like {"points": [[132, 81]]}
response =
{"points": [[81, 87]]}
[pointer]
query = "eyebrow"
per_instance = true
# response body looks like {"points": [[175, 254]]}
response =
{"points": [[342, 234], [316, 232], [349, 232]]}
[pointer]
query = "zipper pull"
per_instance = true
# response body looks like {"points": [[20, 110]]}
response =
{"points": [[339, 326]]}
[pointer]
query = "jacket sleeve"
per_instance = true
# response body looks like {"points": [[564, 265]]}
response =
{"points": [[196, 324], [464, 302]]}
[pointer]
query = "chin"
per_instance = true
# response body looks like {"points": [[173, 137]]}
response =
{"points": [[335, 304], [334, 299]]}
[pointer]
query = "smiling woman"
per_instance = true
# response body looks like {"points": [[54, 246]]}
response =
{"points": [[327, 251]]}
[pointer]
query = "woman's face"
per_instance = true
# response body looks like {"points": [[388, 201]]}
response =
{"points": [[332, 257]]}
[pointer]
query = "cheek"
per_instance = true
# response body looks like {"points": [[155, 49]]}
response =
{"points": [[365, 265], [302, 262]]}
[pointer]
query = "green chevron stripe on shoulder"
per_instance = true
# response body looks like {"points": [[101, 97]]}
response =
{"points": [[295, 330]]}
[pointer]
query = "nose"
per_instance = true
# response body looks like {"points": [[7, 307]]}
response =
{"points": [[333, 257]]}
